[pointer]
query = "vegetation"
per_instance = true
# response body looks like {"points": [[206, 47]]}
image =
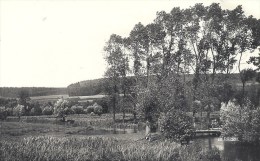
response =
{"points": [[165, 73], [241, 121], [177, 125], [3, 113], [203, 40], [96, 148], [13, 92]]}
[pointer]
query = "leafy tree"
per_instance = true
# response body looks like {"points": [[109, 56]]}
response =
{"points": [[68, 111], [117, 68], [24, 97], [89, 109], [196, 106], [19, 110], [35, 111], [3, 113], [177, 125], [246, 75], [59, 108], [255, 122], [202, 40], [240, 121], [47, 110], [255, 60], [148, 106], [77, 109], [98, 109]]}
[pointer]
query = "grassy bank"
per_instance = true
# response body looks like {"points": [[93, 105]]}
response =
{"points": [[100, 148]]}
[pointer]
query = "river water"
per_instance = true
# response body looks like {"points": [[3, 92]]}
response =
{"points": [[231, 150]]}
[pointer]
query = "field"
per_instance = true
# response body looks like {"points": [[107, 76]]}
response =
{"points": [[52, 98], [89, 138]]}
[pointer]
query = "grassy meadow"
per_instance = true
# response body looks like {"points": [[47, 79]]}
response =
{"points": [[89, 137], [99, 148], [44, 138]]}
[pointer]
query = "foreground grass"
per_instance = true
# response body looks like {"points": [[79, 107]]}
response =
{"points": [[99, 148]]}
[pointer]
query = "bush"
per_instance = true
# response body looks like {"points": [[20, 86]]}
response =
{"points": [[212, 155], [9, 111], [19, 110], [104, 103], [89, 109], [3, 113], [68, 111], [240, 121], [47, 110], [177, 125], [255, 122], [36, 111], [98, 109], [77, 109]]}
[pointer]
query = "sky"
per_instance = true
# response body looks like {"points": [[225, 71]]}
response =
{"points": [[53, 43]]}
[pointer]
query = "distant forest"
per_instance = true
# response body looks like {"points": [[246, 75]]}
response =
{"points": [[99, 86], [88, 87], [13, 92]]}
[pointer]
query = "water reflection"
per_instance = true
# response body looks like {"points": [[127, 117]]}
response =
{"points": [[231, 150], [122, 131], [114, 131]]}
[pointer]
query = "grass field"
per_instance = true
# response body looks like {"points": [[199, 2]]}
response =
{"points": [[52, 98], [88, 138], [41, 138], [98, 148]]}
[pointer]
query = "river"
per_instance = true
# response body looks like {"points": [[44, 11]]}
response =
{"points": [[231, 150]]}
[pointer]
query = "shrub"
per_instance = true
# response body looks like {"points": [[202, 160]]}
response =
{"points": [[98, 109], [256, 123], [240, 121], [19, 110], [177, 125], [212, 155], [48, 110], [77, 109], [89, 109], [104, 103], [9, 111], [3, 113], [36, 111], [59, 107], [68, 111]]}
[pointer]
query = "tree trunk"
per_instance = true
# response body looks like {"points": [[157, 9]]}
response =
{"points": [[114, 108], [208, 116], [201, 118], [123, 115], [134, 113], [63, 119], [124, 103], [243, 90]]}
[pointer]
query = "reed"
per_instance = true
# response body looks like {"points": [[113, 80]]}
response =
{"points": [[99, 149]]}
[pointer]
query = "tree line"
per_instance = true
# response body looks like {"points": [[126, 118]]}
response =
{"points": [[13, 92], [205, 41]]}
